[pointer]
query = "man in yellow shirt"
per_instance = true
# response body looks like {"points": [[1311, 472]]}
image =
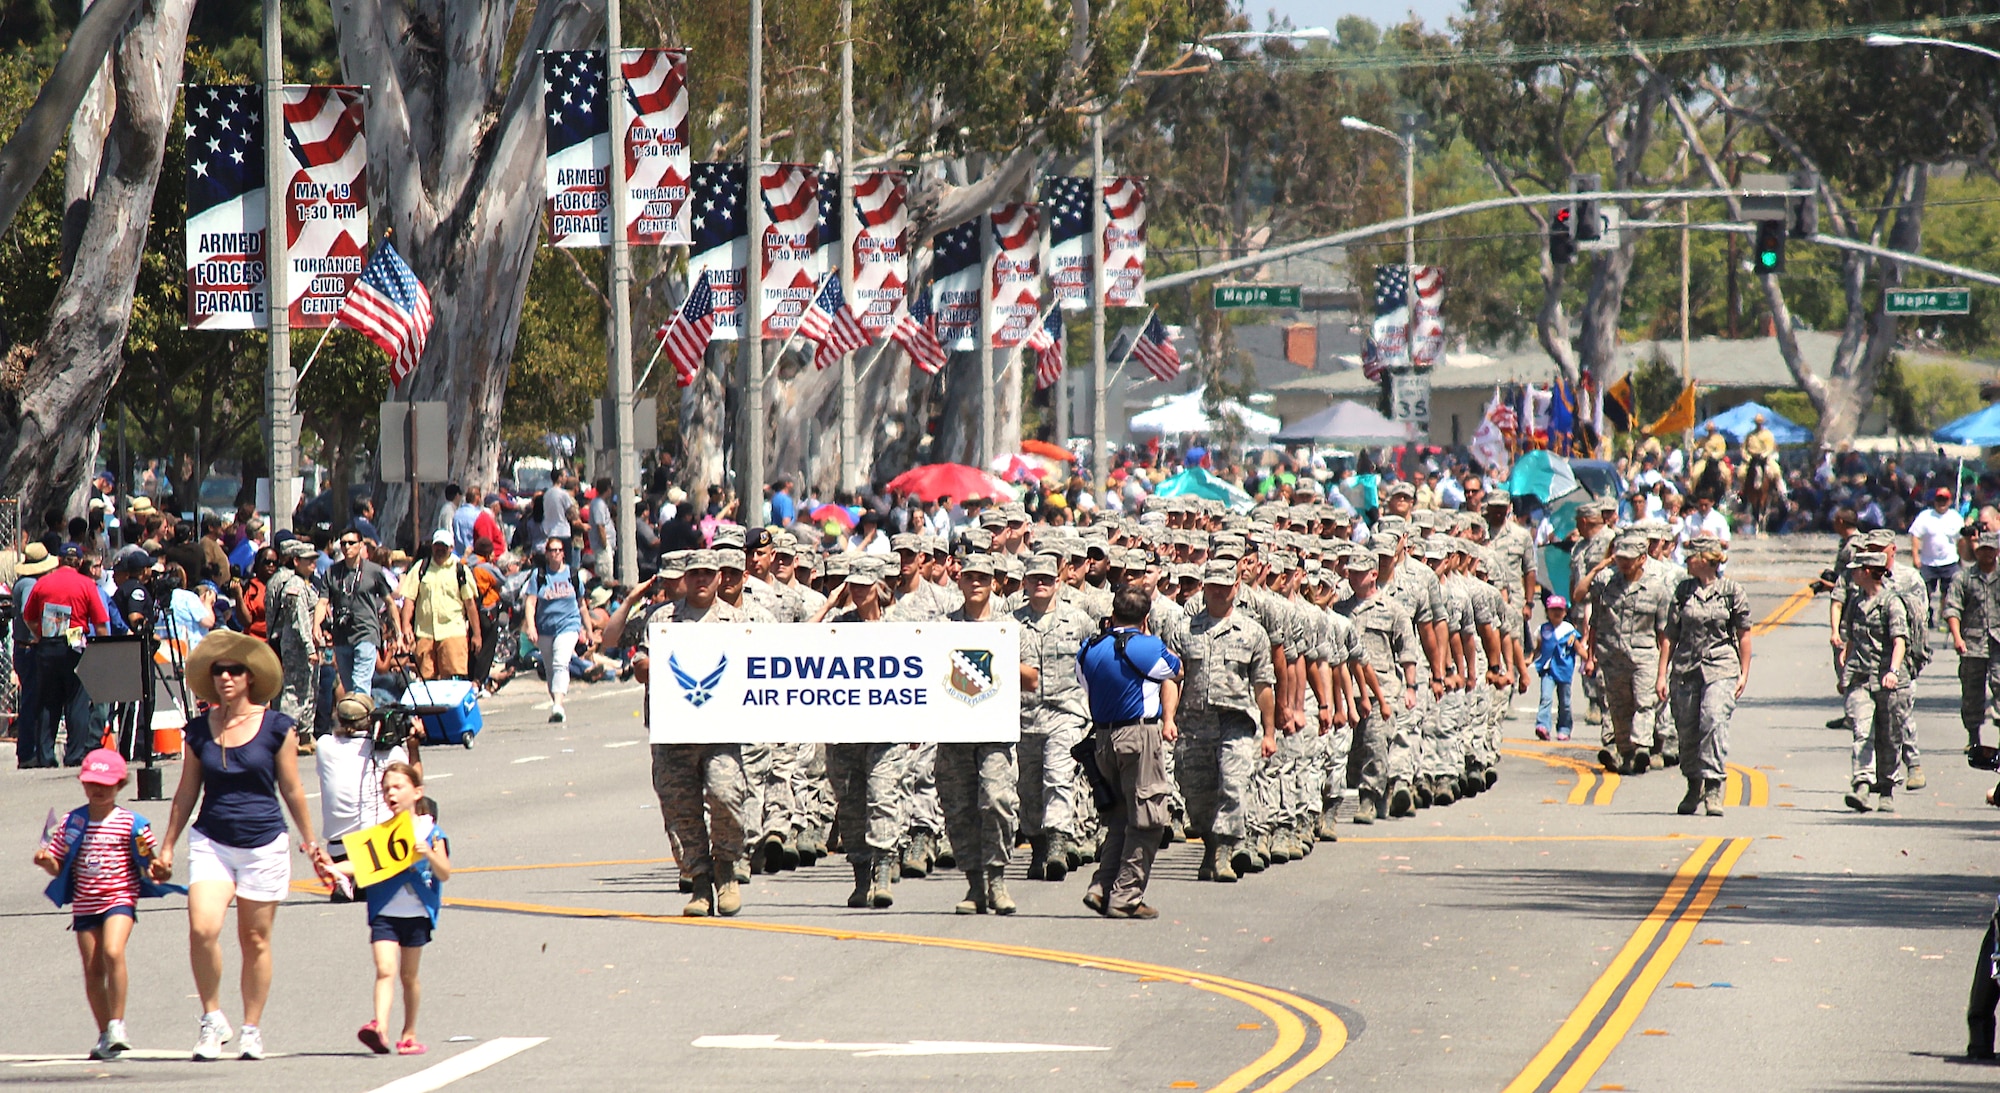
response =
{"points": [[441, 607], [1710, 451], [1761, 446]]}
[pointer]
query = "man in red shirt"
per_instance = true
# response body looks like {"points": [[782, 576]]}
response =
{"points": [[64, 607], [487, 524]]}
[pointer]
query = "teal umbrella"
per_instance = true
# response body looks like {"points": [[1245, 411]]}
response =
{"points": [[1543, 475], [1195, 482]]}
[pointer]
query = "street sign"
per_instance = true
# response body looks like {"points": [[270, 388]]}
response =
{"points": [[1765, 208], [1410, 399], [1256, 296], [1929, 301]]}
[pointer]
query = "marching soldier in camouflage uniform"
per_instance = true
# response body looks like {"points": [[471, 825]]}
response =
{"points": [[1907, 583], [1969, 613], [703, 790], [1593, 546], [769, 825], [1510, 545], [1623, 614], [867, 778], [1054, 717], [1875, 636], [1415, 589], [1227, 691], [296, 615], [982, 811], [1443, 757], [1661, 568], [1386, 691], [1704, 667]]}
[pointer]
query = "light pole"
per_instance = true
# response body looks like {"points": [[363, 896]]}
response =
{"points": [[1407, 138], [1904, 40], [1303, 34]]}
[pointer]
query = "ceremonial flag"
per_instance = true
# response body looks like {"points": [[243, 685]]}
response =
{"points": [[688, 333], [326, 201], [1066, 203], [1047, 342], [1016, 273], [1562, 417], [1123, 242], [226, 249], [720, 248], [390, 307], [1155, 350], [913, 332], [1679, 418], [1489, 440], [577, 123], [790, 251], [880, 248], [655, 147], [1426, 337], [1387, 347], [1618, 408], [830, 325], [955, 270]]}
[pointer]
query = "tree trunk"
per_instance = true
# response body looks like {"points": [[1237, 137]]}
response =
{"points": [[28, 151], [1598, 345], [86, 150], [47, 435], [702, 417]]}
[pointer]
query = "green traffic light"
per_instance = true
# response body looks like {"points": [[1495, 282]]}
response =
{"points": [[1767, 259]]}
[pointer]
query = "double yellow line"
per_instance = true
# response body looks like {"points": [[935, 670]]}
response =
{"points": [[1787, 608], [1598, 1023], [1594, 785]]}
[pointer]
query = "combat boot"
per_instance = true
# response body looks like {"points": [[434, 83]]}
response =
{"points": [[1276, 851], [789, 855], [740, 871], [1979, 1037], [1608, 759], [1915, 778], [685, 884], [974, 902], [728, 899], [1177, 828], [1225, 857], [1711, 797], [882, 892], [1207, 870], [1401, 804], [1038, 857], [1058, 865], [1422, 788], [917, 854], [942, 856], [996, 890], [1857, 798], [1693, 799], [1327, 831], [1366, 809], [864, 875], [1492, 776], [1303, 838], [703, 900], [1443, 793], [1243, 859], [1885, 801]]}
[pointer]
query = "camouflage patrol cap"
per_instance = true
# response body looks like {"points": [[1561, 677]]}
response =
{"points": [[727, 535], [1006, 565], [1135, 561], [1399, 489], [700, 560], [1343, 517], [784, 542], [1282, 562], [729, 558], [673, 563], [1388, 523], [1227, 547], [1185, 571], [992, 518], [1656, 529], [1868, 559], [863, 570], [1358, 560], [1630, 546], [975, 541], [1987, 539], [1425, 519], [1879, 539], [835, 566], [1041, 565], [1218, 573], [907, 541], [976, 563], [1498, 498]]}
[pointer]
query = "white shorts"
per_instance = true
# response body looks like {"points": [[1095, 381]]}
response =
{"points": [[261, 873]]}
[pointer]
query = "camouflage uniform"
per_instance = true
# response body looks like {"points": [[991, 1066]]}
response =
{"points": [[1704, 623], [1386, 641], [291, 622], [982, 810], [1625, 616], [1870, 625], [1054, 717], [1972, 599], [1908, 584], [702, 788], [1415, 589], [1228, 659]]}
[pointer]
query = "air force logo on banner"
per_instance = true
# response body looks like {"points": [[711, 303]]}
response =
{"points": [[697, 692], [972, 676]]}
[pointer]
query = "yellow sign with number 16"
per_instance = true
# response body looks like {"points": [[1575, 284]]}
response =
{"points": [[380, 852]]}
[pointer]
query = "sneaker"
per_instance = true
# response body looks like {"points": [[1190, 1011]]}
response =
{"points": [[251, 1043], [1541, 732], [1562, 736], [556, 715], [214, 1033], [101, 1050], [115, 1038], [371, 1038]]}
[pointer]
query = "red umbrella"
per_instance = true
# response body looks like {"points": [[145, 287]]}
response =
{"points": [[835, 513], [1047, 450], [954, 480]]}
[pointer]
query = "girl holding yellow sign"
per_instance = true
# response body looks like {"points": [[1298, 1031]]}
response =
{"points": [[401, 865]]}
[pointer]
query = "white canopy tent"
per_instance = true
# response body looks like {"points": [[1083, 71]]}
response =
{"points": [[1183, 415]]}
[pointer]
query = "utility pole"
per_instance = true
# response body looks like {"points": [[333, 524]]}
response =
{"points": [[850, 457], [1687, 436], [1100, 460], [618, 370], [1409, 139], [983, 229], [280, 382], [750, 442]]}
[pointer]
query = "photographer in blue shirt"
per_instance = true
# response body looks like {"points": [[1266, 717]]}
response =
{"points": [[1133, 683]]}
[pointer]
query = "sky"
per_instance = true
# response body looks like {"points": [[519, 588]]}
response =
{"points": [[1325, 13]]}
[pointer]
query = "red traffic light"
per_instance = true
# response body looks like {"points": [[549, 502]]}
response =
{"points": [[1562, 218]]}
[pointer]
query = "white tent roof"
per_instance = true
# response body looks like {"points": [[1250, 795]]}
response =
{"points": [[1182, 414]]}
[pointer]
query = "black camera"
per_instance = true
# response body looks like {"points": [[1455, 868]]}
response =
{"points": [[6, 609], [1981, 757], [163, 584], [389, 727]]}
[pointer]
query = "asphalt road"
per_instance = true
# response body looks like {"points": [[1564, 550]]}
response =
{"points": [[1564, 931]]}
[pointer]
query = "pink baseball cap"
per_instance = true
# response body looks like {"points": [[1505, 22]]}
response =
{"points": [[102, 767], [1555, 602]]}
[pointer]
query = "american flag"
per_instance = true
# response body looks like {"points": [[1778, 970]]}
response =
{"points": [[913, 332], [390, 307], [687, 334], [1156, 351], [1047, 342], [830, 324], [225, 206], [1388, 344]]}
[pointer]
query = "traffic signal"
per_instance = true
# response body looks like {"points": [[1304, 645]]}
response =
{"points": [[1562, 240], [1589, 222], [1770, 253], [1804, 210]]}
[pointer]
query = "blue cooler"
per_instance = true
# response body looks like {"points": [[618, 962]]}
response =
{"points": [[449, 708]]}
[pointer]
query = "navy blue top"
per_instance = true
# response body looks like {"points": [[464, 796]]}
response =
{"points": [[1125, 688], [239, 786]]}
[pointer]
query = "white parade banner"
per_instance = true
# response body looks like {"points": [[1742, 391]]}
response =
{"points": [[656, 147], [847, 683], [955, 272], [791, 266], [1016, 273], [881, 249], [1123, 242], [576, 172], [326, 200]]}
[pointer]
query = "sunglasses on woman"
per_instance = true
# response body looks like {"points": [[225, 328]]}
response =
{"points": [[219, 669]]}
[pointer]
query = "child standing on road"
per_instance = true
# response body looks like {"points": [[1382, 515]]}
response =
{"points": [[1555, 662], [402, 912], [102, 859]]}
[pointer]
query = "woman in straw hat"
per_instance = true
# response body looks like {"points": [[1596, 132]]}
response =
{"points": [[240, 758], [1704, 667], [35, 561]]}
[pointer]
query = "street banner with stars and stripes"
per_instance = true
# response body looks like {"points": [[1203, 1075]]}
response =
{"points": [[1426, 317], [1387, 346], [656, 161], [1123, 242], [577, 121], [790, 254], [955, 269], [225, 207], [1066, 203], [720, 245], [881, 248], [1017, 273], [326, 201]]}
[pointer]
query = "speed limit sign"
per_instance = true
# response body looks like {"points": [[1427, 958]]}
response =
{"points": [[1410, 399]]}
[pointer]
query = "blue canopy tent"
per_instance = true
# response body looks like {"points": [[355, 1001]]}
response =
{"points": [[1738, 422], [1981, 428]]}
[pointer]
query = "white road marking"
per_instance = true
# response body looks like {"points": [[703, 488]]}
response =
{"points": [[462, 1065], [625, 744], [885, 1050], [529, 759], [435, 777], [79, 1059]]}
